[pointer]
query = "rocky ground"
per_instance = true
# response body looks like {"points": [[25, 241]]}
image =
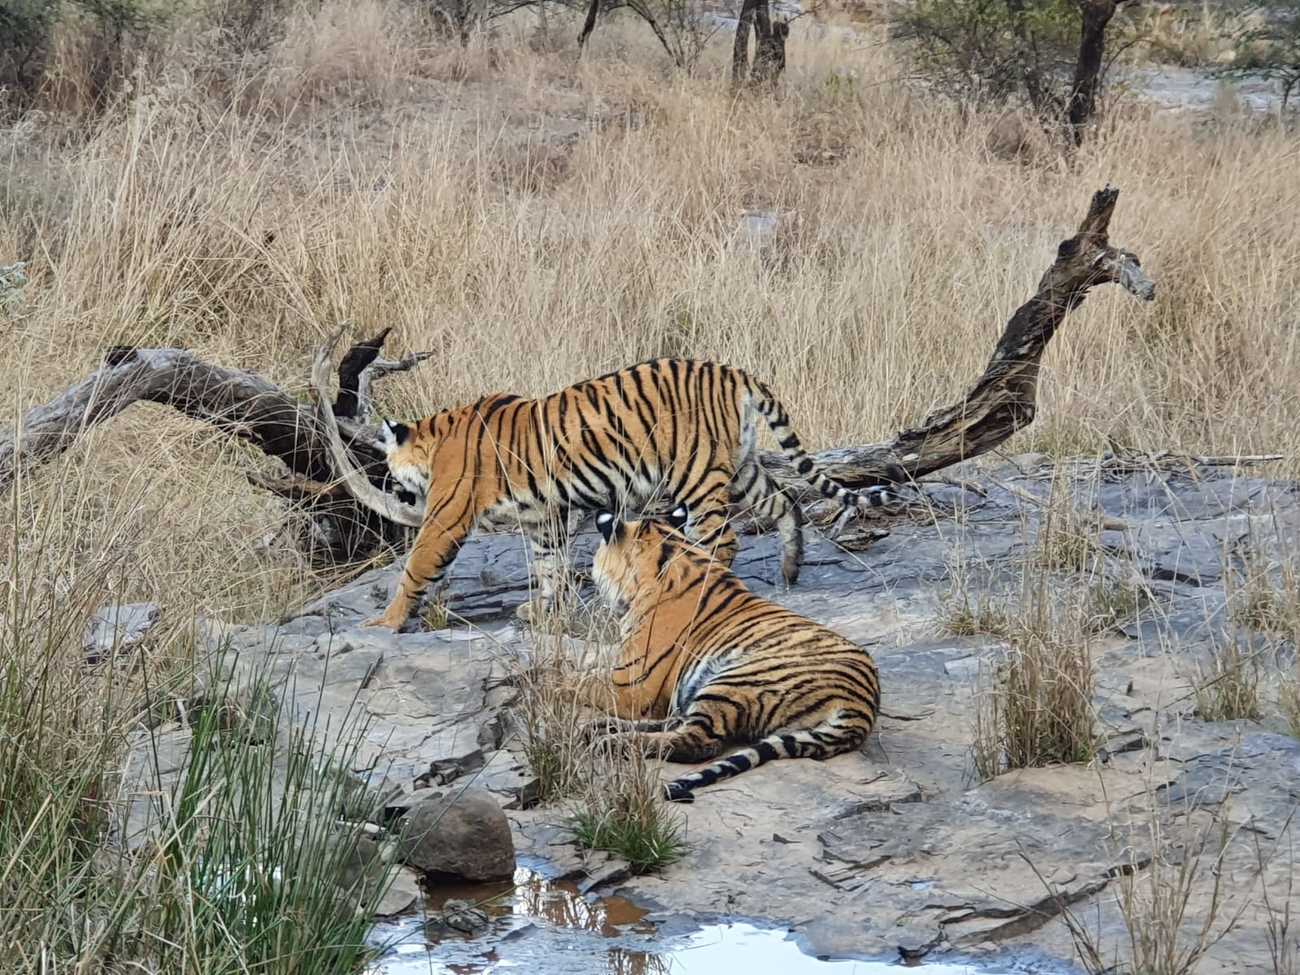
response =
{"points": [[898, 850]]}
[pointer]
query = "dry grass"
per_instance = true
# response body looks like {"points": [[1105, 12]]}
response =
{"points": [[1167, 935], [1067, 536], [1034, 706], [1265, 596], [1289, 702], [1228, 689], [1174, 904], [552, 731], [615, 795], [973, 614], [1262, 595], [1113, 600]]}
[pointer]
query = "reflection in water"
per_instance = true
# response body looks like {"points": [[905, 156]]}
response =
{"points": [[545, 927], [560, 904], [625, 962], [556, 902]]}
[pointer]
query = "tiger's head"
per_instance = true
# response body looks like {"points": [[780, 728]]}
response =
{"points": [[633, 555], [408, 457]]}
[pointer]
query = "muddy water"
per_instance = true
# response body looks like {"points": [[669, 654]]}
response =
{"points": [[546, 927]]}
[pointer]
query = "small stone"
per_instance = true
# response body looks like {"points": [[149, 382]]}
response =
{"points": [[463, 835], [528, 795], [459, 916], [1029, 462], [118, 627], [443, 771], [403, 894], [464, 917]]}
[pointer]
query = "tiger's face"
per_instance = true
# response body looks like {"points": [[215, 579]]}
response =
{"points": [[633, 554], [408, 458]]}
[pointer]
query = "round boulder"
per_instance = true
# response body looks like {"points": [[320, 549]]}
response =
{"points": [[463, 834]]}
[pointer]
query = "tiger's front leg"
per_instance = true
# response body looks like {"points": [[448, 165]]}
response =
{"points": [[436, 545], [550, 549]]}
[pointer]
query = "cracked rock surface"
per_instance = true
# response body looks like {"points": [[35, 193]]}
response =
{"points": [[894, 849]]}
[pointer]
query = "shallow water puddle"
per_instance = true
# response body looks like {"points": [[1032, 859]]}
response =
{"points": [[545, 927]]}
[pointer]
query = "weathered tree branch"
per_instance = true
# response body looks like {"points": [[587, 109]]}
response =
{"points": [[243, 405], [588, 25], [356, 480], [1003, 399]]}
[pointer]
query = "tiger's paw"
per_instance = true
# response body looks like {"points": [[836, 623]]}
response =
{"points": [[615, 744], [540, 614], [596, 729], [387, 621]]}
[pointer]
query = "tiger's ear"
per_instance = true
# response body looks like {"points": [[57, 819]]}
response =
{"points": [[678, 517], [609, 526], [394, 433]]}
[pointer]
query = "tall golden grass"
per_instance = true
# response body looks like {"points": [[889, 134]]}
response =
{"points": [[535, 220]]}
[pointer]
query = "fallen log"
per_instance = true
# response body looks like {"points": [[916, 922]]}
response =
{"points": [[336, 474], [337, 530]]}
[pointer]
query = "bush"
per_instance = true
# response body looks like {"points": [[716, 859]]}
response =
{"points": [[112, 860], [1269, 45], [994, 50], [28, 31], [25, 30]]}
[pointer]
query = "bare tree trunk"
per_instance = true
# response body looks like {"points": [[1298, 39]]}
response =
{"points": [[588, 25], [769, 45], [740, 45], [1097, 15], [1004, 398]]}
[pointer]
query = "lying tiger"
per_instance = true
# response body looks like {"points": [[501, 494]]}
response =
{"points": [[706, 664], [669, 430]]}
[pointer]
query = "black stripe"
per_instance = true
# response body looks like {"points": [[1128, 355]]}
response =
{"points": [[766, 753]]}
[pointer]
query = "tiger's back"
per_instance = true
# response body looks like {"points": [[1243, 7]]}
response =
{"points": [[706, 663]]}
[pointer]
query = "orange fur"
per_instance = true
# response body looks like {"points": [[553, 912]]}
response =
{"points": [[705, 663], [669, 430]]}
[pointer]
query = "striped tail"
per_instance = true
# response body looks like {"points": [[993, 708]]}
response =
{"points": [[778, 421], [793, 744]]}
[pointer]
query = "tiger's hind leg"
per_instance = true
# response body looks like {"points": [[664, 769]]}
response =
{"points": [[691, 740], [756, 492]]}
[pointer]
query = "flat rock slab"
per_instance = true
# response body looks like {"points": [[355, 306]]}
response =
{"points": [[422, 697], [893, 848]]}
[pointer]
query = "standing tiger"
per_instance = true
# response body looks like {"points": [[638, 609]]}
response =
{"points": [[706, 664], [678, 431]]}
